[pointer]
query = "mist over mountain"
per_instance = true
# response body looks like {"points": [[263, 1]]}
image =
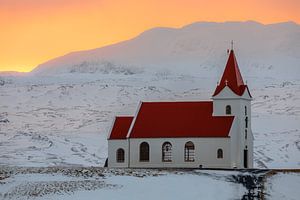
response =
{"points": [[199, 48]]}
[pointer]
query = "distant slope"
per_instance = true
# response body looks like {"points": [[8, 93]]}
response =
{"points": [[195, 48], [11, 73]]}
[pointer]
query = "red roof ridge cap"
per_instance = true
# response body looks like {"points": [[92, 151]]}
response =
{"points": [[178, 101]]}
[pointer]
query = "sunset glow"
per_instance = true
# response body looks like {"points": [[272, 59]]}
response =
{"points": [[33, 32]]}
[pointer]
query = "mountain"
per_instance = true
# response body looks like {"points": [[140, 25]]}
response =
{"points": [[196, 48], [12, 73]]}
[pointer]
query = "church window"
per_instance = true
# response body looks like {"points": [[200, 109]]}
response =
{"points": [[246, 135], [228, 110], [120, 155], [220, 153], [246, 122], [144, 152], [189, 152], [246, 110], [167, 152]]}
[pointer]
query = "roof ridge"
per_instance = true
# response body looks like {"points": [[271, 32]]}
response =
{"points": [[196, 101]]}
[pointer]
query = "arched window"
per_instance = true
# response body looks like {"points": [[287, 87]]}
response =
{"points": [[228, 110], [144, 152], [246, 122], [246, 110], [167, 152], [220, 153], [189, 152], [120, 155]]}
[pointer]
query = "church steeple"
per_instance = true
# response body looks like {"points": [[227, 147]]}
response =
{"points": [[231, 77]]}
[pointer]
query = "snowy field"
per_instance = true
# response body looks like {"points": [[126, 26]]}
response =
{"points": [[60, 114], [283, 186], [70, 183], [65, 121]]}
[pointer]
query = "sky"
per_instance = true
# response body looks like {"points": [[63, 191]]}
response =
{"points": [[34, 31]]}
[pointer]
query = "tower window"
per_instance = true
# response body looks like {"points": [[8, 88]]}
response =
{"points": [[246, 110], [228, 110], [246, 122], [246, 135]]}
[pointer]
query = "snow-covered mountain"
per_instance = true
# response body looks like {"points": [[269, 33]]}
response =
{"points": [[196, 48], [61, 113]]}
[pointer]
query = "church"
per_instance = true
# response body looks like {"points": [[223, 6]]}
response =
{"points": [[188, 134]]}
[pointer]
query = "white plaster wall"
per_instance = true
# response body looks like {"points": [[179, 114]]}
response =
{"points": [[234, 146], [249, 143], [113, 146], [237, 103], [205, 153]]}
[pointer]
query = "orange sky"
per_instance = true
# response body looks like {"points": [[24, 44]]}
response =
{"points": [[34, 31]]}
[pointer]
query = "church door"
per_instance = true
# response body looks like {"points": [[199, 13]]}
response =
{"points": [[245, 158]]}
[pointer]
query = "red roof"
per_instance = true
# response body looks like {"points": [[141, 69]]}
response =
{"points": [[232, 77], [179, 119], [120, 128]]}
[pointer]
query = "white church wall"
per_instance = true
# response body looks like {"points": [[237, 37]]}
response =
{"points": [[113, 146], [234, 142], [249, 143], [205, 153], [237, 103]]}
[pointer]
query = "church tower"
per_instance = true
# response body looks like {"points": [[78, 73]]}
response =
{"points": [[232, 98]]}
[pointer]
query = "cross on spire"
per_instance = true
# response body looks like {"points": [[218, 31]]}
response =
{"points": [[231, 44]]}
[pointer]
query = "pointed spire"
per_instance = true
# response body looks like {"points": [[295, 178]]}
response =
{"points": [[231, 76]]}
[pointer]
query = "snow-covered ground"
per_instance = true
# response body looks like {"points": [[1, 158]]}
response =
{"points": [[45, 183], [283, 186], [70, 183], [60, 113], [65, 120]]}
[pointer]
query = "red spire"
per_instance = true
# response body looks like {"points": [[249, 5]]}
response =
{"points": [[231, 77]]}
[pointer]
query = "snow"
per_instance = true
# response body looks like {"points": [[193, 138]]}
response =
{"points": [[64, 120], [198, 48], [60, 114], [283, 186], [167, 187], [155, 185]]}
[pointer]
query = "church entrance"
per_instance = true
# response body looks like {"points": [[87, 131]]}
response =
{"points": [[245, 158]]}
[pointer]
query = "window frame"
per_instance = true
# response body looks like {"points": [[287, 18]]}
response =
{"points": [[144, 152], [120, 155], [166, 150], [189, 152], [220, 154], [228, 110]]}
